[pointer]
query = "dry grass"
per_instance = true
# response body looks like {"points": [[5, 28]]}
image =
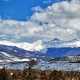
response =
{"points": [[30, 74]]}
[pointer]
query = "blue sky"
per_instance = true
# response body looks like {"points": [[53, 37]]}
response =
{"points": [[21, 9]]}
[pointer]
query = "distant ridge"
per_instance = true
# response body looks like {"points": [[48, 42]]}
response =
{"points": [[63, 51]]}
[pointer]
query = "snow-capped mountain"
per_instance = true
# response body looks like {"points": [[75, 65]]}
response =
{"points": [[59, 48], [60, 43], [13, 54], [13, 57], [35, 46], [16, 54]]}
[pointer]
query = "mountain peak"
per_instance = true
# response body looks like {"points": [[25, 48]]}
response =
{"points": [[56, 40]]}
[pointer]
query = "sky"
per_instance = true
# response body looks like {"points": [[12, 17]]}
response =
{"points": [[21, 9], [40, 24]]}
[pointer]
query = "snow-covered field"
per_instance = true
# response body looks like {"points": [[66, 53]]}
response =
{"points": [[47, 66], [59, 66]]}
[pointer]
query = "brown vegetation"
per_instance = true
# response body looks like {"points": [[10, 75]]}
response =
{"points": [[31, 74]]}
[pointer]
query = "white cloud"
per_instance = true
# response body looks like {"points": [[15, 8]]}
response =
{"points": [[60, 20], [47, 1], [37, 9]]}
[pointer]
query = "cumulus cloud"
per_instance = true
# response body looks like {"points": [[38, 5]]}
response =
{"points": [[60, 20]]}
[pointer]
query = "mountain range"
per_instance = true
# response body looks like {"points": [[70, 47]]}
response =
{"points": [[14, 57]]}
